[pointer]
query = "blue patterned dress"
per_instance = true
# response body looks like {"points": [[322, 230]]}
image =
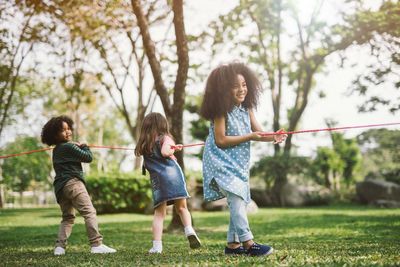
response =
{"points": [[228, 168]]}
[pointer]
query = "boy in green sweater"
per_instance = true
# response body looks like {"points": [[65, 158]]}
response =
{"points": [[69, 184]]}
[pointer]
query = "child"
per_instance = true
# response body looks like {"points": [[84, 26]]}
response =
{"points": [[168, 183], [231, 94], [69, 184]]}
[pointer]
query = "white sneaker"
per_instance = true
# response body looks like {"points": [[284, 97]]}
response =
{"points": [[155, 251], [102, 249], [59, 251]]}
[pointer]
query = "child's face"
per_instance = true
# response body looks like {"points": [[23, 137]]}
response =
{"points": [[65, 134], [239, 91]]}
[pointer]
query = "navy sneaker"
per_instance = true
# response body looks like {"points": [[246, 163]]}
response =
{"points": [[235, 251], [259, 250]]}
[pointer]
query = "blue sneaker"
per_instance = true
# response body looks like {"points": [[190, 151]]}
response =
{"points": [[235, 251], [259, 250]]}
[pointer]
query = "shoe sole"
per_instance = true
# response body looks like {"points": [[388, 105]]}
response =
{"points": [[261, 255], [269, 252], [194, 241], [108, 252]]}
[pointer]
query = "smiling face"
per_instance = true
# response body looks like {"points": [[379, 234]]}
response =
{"points": [[239, 91], [65, 134]]}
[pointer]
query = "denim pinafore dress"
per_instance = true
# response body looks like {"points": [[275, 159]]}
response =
{"points": [[167, 179]]}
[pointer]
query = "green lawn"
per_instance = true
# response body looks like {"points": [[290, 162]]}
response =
{"points": [[328, 236]]}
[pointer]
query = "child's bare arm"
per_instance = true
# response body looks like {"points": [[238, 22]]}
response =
{"points": [[223, 140], [256, 127], [166, 149]]}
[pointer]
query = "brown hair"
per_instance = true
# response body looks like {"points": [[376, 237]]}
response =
{"points": [[153, 125], [217, 100]]}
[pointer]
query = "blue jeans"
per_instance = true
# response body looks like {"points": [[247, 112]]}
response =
{"points": [[239, 229]]}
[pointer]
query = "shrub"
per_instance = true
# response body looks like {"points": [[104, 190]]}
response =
{"points": [[113, 193]]}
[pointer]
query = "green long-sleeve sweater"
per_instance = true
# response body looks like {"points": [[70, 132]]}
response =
{"points": [[67, 158]]}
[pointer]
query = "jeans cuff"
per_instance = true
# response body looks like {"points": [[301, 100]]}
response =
{"points": [[233, 238], [246, 237]]}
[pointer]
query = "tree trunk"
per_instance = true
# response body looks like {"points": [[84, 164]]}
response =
{"points": [[174, 113], [21, 198], [1, 196]]}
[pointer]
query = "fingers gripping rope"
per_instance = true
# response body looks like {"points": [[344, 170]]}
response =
{"points": [[202, 144]]}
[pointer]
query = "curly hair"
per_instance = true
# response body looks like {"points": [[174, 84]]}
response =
{"points": [[53, 127], [218, 99], [154, 124]]}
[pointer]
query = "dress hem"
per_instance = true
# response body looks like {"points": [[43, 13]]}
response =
{"points": [[170, 199]]}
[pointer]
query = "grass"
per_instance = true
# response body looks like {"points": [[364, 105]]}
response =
{"points": [[323, 236]]}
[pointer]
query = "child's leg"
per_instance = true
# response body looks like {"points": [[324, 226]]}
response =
{"points": [[239, 224], [82, 202], [232, 236], [182, 210], [157, 227], [158, 221], [68, 218]]}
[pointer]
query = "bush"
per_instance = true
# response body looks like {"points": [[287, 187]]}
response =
{"points": [[120, 193]]}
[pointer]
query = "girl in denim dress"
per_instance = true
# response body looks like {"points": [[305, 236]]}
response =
{"points": [[231, 93], [168, 182]]}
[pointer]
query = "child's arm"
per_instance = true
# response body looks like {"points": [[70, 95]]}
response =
{"points": [[166, 149], [80, 152], [256, 127], [223, 140]]}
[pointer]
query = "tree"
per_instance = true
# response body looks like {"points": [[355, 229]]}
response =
{"points": [[17, 42], [384, 72], [19, 172], [328, 166], [349, 153], [102, 27], [173, 111], [381, 154], [257, 30]]}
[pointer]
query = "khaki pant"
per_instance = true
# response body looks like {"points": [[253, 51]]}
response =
{"points": [[75, 196]]}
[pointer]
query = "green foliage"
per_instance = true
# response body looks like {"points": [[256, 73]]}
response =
{"points": [[349, 152], [323, 236], [119, 192], [381, 154], [341, 163], [383, 72], [327, 164], [269, 167], [19, 172]]}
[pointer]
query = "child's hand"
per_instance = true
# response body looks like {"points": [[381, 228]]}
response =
{"points": [[177, 147], [280, 136]]}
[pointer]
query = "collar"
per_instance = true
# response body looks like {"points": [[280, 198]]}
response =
{"points": [[240, 107]]}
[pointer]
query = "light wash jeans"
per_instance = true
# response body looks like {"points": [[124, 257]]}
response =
{"points": [[239, 229]]}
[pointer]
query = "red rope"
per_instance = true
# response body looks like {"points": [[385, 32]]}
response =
{"points": [[334, 128], [49, 148], [25, 153], [112, 147], [202, 144]]}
